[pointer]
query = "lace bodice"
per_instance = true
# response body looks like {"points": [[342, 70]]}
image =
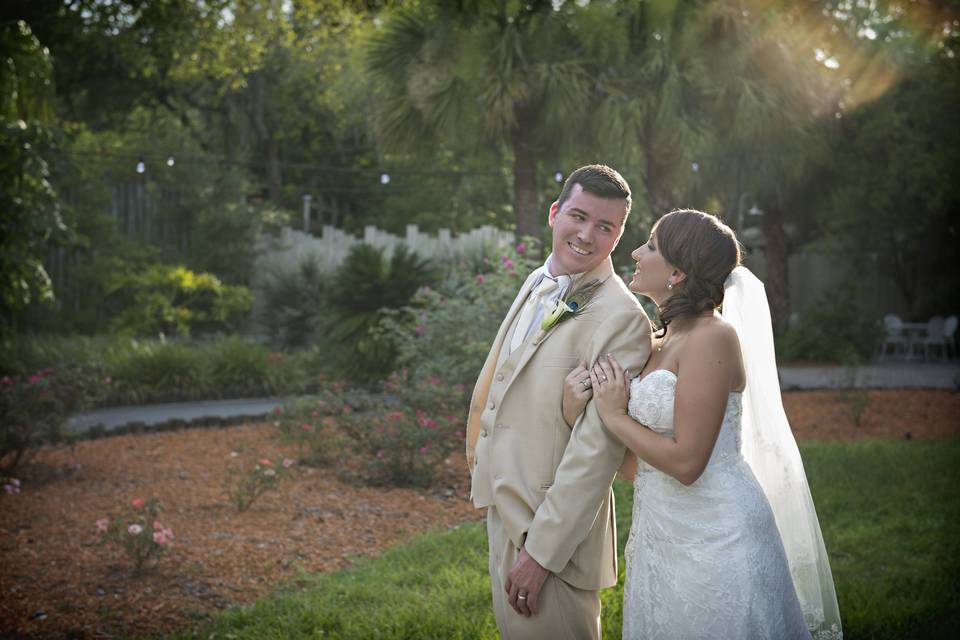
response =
{"points": [[651, 404]]}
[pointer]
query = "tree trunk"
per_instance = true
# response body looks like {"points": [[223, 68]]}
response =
{"points": [[776, 254], [526, 206], [266, 136]]}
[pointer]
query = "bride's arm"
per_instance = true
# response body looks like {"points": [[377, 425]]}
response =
{"points": [[708, 366]]}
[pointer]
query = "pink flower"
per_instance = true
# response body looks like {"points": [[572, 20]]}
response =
{"points": [[265, 462], [137, 503], [508, 264], [157, 526], [307, 426], [11, 489], [135, 530], [395, 416], [480, 278], [277, 411], [423, 450], [521, 248], [381, 453], [168, 533], [35, 378], [512, 274], [434, 380], [419, 329], [102, 525], [287, 463], [6, 380], [159, 538]]}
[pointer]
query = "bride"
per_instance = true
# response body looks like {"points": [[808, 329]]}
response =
{"points": [[725, 541]]}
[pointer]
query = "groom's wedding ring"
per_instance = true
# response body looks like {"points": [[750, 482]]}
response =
{"points": [[522, 597]]}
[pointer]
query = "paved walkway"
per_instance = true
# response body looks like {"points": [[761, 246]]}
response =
{"points": [[886, 376]]}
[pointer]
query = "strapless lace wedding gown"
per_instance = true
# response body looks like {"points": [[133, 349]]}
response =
{"points": [[705, 560]]}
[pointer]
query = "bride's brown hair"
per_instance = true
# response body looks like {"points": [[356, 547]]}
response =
{"points": [[703, 247]]}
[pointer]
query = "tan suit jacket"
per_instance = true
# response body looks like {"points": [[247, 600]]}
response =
{"points": [[552, 486]]}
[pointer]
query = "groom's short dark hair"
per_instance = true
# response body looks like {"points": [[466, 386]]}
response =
{"points": [[599, 180]]}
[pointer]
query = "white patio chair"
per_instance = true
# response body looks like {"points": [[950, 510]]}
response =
{"points": [[939, 336], [893, 337]]}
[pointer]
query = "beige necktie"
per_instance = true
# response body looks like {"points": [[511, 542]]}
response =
{"points": [[529, 311]]}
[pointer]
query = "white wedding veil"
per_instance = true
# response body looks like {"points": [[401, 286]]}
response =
{"points": [[771, 451]]}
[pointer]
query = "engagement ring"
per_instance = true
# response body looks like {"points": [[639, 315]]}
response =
{"points": [[585, 382]]}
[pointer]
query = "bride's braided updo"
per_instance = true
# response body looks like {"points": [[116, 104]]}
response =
{"points": [[706, 250]]}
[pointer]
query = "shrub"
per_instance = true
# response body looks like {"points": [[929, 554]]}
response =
{"points": [[308, 422], [34, 409], [167, 300], [366, 285], [245, 485], [833, 329], [156, 371], [238, 367], [140, 533], [402, 435], [446, 332], [294, 303]]}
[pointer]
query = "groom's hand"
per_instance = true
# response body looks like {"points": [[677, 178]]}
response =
{"points": [[525, 579]]}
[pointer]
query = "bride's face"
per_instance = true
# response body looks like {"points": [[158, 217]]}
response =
{"points": [[653, 272]]}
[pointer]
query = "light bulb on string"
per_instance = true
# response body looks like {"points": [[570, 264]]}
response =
{"points": [[695, 166], [384, 178], [141, 166], [171, 160], [558, 176]]}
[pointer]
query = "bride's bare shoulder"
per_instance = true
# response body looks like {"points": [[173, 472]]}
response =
{"points": [[714, 334]]}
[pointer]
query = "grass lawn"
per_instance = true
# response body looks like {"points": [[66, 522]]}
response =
{"points": [[889, 512]]}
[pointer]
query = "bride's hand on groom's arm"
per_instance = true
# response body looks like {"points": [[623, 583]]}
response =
{"points": [[610, 388], [576, 394]]}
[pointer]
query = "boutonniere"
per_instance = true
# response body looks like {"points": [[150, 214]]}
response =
{"points": [[577, 298]]}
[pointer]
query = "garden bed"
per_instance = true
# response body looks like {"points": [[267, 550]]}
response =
{"points": [[57, 581]]}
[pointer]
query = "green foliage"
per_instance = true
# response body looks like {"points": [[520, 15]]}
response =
{"points": [[364, 287], [31, 217], [308, 422], [34, 409], [166, 300], [892, 551], [139, 533], [833, 329], [401, 436], [245, 485], [447, 332], [294, 303]]}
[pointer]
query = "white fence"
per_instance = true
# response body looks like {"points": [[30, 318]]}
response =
{"points": [[331, 248]]}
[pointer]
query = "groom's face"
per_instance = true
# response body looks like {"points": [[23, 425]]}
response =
{"points": [[586, 228]]}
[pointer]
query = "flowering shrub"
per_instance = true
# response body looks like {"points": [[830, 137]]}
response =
{"points": [[402, 435], [11, 485], [446, 332], [140, 533], [309, 422], [33, 410], [244, 486]]}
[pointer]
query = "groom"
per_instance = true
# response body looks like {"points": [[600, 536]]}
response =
{"points": [[550, 517]]}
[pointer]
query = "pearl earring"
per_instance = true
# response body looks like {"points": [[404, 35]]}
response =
{"points": [[669, 285]]}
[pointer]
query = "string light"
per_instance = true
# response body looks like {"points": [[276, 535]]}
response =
{"points": [[384, 178], [171, 161], [141, 167], [558, 176]]}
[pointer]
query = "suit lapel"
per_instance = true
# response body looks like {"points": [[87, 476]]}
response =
{"points": [[603, 271]]}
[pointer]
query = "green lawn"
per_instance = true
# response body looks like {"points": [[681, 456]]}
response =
{"points": [[889, 512]]}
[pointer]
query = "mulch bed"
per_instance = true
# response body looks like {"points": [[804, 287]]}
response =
{"points": [[57, 581]]}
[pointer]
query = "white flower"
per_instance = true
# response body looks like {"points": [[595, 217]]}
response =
{"points": [[135, 530], [269, 472]]}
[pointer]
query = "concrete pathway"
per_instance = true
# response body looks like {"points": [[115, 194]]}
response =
{"points": [[886, 376]]}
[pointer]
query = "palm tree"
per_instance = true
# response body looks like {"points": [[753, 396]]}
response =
{"points": [[531, 80]]}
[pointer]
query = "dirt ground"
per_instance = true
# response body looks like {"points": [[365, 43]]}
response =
{"points": [[57, 581]]}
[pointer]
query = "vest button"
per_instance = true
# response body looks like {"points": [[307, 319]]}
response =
{"points": [[483, 434], [493, 404], [500, 377]]}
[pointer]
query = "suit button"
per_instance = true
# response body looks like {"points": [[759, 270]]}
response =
{"points": [[499, 377], [493, 404], [483, 434]]}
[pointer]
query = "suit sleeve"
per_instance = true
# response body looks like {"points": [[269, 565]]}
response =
{"points": [[592, 456]]}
